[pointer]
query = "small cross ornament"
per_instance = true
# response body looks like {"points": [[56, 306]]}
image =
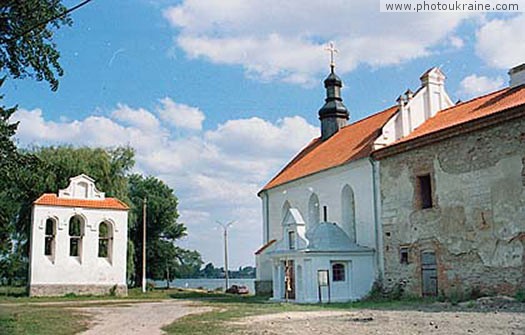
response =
{"points": [[331, 48]]}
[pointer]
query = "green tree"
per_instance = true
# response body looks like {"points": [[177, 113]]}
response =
{"points": [[162, 227], [210, 271], [26, 38], [57, 164], [187, 263]]}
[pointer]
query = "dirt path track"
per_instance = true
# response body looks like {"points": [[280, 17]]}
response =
{"points": [[367, 322], [138, 318]]}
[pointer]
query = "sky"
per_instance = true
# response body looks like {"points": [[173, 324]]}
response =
{"points": [[216, 96]]}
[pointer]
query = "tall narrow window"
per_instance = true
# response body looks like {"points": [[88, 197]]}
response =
{"points": [[291, 240], [338, 272], [314, 215], [104, 240], [49, 242], [76, 228], [425, 191], [348, 211], [403, 255]]}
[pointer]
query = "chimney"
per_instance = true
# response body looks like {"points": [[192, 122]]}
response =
{"points": [[333, 114], [517, 75]]}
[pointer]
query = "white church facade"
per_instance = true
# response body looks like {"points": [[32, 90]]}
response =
{"points": [[78, 242], [321, 229]]}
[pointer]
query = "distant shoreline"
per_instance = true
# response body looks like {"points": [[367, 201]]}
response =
{"points": [[208, 283]]}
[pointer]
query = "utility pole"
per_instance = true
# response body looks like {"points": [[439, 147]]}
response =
{"points": [[225, 230], [144, 205]]}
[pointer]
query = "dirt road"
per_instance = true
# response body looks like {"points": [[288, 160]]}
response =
{"points": [[368, 322], [138, 318]]}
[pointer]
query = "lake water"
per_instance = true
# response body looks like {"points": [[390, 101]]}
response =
{"points": [[209, 284]]}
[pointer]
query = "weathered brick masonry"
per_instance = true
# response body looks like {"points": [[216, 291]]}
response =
{"points": [[476, 226]]}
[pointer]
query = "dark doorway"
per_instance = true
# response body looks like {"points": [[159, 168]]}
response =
{"points": [[429, 274], [289, 280]]}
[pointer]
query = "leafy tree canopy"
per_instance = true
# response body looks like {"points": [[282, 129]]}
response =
{"points": [[26, 38], [162, 227]]}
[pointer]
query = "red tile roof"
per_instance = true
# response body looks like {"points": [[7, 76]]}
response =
{"points": [[351, 142], [470, 110], [49, 199], [264, 247]]}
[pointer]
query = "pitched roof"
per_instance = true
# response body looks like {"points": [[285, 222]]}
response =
{"points": [[351, 142], [466, 112], [264, 247], [50, 199]]}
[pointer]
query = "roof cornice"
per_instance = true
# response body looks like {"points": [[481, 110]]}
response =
{"points": [[440, 135]]}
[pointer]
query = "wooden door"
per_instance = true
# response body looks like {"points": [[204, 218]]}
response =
{"points": [[429, 280], [289, 280]]}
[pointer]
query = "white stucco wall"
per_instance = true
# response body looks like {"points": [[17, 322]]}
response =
{"points": [[328, 187], [359, 277], [429, 98], [88, 269]]}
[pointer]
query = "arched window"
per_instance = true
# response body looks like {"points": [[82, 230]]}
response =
{"points": [[76, 231], [348, 211], [49, 239], [338, 272], [105, 239], [313, 210], [286, 207]]}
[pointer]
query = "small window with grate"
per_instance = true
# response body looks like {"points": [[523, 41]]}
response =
{"points": [[338, 272]]}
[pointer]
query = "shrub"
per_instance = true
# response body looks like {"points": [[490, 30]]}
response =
{"points": [[398, 291], [520, 295], [113, 290], [377, 291], [475, 293], [150, 286]]}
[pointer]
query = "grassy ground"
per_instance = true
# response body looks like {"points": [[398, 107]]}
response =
{"points": [[19, 295], [20, 315], [27, 319]]}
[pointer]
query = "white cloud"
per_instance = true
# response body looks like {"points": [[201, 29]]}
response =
{"points": [[284, 40], [216, 173], [139, 118], [475, 85], [501, 43], [456, 42], [181, 115]]}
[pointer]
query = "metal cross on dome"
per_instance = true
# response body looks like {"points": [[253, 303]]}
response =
{"points": [[331, 48]]}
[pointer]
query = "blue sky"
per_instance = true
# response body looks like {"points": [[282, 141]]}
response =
{"points": [[216, 96]]}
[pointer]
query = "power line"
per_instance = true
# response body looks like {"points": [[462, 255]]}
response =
{"points": [[44, 23]]}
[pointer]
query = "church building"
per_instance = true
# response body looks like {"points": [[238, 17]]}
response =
{"points": [[321, 219], [78, 242]]}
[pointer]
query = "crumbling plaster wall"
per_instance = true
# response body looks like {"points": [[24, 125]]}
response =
{"points": [[477, 223]]}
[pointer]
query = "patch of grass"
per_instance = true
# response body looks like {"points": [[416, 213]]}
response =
{"points": [[229, 308], [520, 296], [26, 319], [10, 294]]}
